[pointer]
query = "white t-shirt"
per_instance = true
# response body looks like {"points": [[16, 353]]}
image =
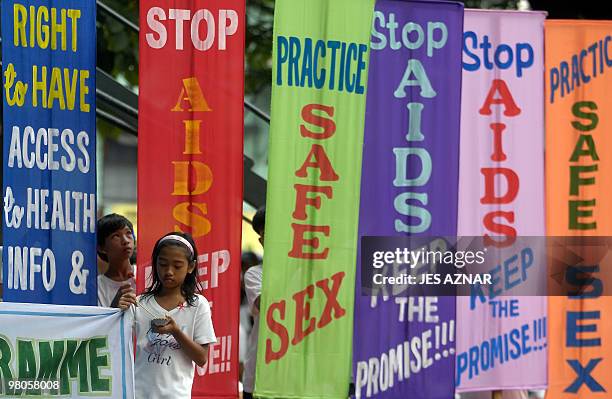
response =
{"points": [[107, 288], [252, 286], [246, 324], [161, 368]]}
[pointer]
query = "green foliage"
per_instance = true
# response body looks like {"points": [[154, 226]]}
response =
{"points": [[118, 43], [258, 52]]}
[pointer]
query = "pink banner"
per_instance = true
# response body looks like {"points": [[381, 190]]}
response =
{"points": [[501, 327]]}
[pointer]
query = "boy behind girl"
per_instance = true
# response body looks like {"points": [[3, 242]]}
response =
{"points": [[252, 285], [115, 245]]}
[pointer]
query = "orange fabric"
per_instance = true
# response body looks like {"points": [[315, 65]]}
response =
{"points": [[578, 87]]}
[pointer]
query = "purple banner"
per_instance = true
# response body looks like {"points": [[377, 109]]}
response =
{"points": [[404, 346]]}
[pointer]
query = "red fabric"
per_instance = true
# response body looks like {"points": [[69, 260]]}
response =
{"points": [[197, 187]]}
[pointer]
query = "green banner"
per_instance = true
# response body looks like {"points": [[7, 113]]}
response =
{"points": [[320, 69]]}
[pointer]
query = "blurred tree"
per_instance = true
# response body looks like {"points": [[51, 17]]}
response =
{"points": [[258, 51], [117, 43]]}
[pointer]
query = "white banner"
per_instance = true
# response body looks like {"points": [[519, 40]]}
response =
{"points": [[65, 351]]}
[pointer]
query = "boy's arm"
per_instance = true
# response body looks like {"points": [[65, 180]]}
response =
{"points": [[252, 287]]}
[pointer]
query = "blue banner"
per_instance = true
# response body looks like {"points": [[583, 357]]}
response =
{"points": [[49, 176], [409, 187]]}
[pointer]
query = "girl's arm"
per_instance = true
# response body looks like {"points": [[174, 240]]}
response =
{"points": [[196, 352]]}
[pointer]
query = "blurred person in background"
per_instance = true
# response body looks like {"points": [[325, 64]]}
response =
{"points": [[252, 282], [248, 259]]}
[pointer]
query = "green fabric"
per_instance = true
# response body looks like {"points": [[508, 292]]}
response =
{"points": [[320, 365]]}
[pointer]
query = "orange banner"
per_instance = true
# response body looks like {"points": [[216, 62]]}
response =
{"points": [[578, 175]]}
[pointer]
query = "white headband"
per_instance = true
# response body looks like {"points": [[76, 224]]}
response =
{"points": [[179, 239]]}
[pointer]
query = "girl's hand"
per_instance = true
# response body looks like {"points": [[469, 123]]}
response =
{"points": [[169, 328]]}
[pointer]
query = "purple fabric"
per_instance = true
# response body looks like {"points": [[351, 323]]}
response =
{"points": [[382, 367]]}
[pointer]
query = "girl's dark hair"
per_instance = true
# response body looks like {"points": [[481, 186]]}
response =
{"points": [[190, 286]]}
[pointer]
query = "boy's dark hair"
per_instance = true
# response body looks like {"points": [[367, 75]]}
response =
{"points": [[107, 225], [259, 220], [249, 258], [190, 286]]}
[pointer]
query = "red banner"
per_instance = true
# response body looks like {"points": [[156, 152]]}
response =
{"points": [[190, 137]]}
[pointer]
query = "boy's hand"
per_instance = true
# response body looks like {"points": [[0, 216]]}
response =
{"points": [[125, 297], [127, 300], [169, 328]]}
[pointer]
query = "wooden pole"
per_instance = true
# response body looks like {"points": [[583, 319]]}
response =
{"points": [[497, 394]]}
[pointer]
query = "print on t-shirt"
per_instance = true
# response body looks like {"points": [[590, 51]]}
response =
{"points": [[158, 345]]}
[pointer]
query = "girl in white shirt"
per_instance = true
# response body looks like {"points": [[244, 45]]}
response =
{"points": [[173, 322]]}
